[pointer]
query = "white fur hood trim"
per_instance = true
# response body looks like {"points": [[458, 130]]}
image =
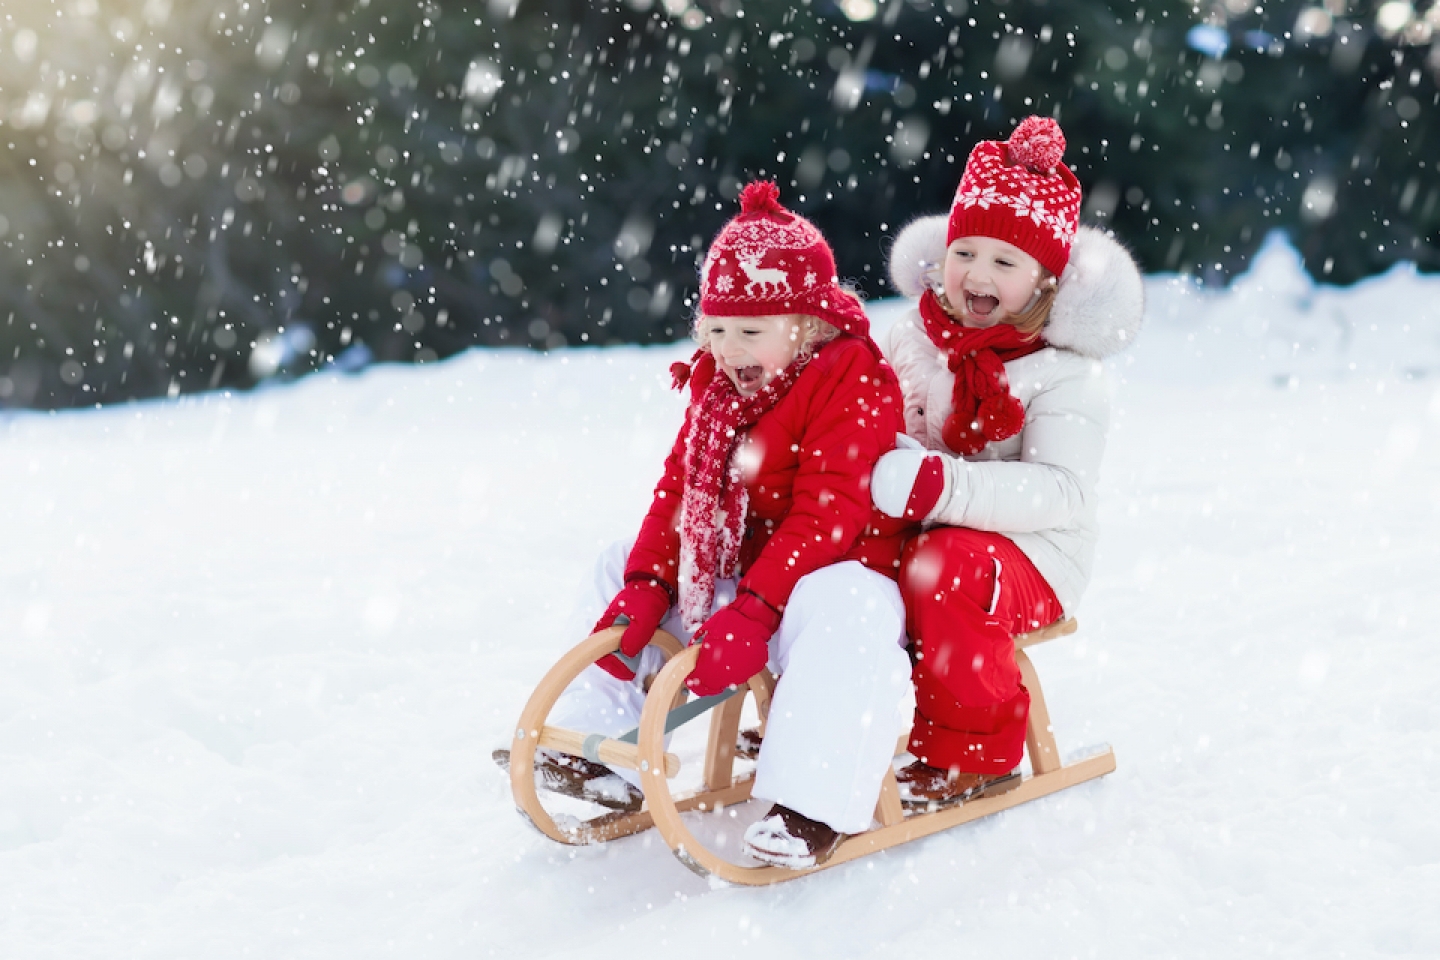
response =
{"points": [[1099, 306]]}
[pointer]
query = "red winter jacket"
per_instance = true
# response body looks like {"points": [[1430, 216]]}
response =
{"points": [[806, 465]]}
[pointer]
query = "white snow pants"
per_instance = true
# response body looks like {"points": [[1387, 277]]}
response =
{"points": [[842, 699]]}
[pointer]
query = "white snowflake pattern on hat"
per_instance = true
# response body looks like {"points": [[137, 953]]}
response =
{"points": [[1025, 175], [983, 198]]}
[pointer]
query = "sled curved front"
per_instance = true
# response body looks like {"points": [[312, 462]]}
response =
{"points": [[531, 733]]}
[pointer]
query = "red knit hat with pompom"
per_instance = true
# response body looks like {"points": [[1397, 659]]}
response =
{"points": [[1021, 192], [768, 261]]}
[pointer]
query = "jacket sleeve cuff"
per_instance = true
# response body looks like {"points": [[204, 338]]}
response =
{"points": [[950, 508], [757, 608]]}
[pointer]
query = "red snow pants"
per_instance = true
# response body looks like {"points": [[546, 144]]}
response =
{"points": [[967, 595]]}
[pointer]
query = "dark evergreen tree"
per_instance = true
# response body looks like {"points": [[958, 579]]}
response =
{"points": [[200, 196]]}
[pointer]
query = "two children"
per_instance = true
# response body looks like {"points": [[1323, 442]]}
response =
{"points": [[761, 543], [1008, 400]]}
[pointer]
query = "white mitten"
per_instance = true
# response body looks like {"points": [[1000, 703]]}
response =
{"points": [[911, 484]]}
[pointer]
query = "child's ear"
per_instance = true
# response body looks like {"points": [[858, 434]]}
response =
{"points": [[1046, 285]]}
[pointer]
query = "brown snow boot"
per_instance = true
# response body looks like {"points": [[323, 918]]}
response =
{"points": [[785, 838], [925, 787], [572, 776]]}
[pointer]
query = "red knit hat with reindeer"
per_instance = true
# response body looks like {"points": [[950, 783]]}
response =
{"points": [[768, 261], [1020, 192]]}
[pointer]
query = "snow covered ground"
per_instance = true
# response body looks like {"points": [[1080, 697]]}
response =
{"points": [[256, 650]]}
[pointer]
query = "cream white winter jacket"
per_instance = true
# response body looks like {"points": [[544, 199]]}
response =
{"points": [[1038, 487]]}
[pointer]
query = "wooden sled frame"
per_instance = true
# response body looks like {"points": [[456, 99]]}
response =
{"points": [[721, 788]]}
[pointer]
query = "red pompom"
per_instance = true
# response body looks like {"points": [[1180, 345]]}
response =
{"points": [[961, 436], [761, 196], [1001, 416], [679, 374], [1037, 143]]}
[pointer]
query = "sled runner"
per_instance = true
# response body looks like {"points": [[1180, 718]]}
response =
{"points": [[666, 705]]}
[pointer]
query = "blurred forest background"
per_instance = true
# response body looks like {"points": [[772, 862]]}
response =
{"points": [[197, 195]]}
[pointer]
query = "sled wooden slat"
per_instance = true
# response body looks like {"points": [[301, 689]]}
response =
{"points": [[615, 753], [720, 745], [1039, 738], [888, 809], [1060, 628]]}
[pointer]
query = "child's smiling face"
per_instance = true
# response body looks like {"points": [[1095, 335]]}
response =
{"points": [[752, 350], [988, 280]]}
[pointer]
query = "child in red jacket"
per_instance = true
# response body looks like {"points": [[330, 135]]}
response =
{"points": [[762, 545]]}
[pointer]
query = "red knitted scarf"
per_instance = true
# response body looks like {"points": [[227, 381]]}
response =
{"points": [[984, 409], [715, 502]]}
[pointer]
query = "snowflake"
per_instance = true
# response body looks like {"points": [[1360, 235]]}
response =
{"points": [[982, 198], [810, 278], [724, 283], [1027, 206]]}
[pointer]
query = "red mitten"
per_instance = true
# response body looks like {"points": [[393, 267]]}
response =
{"points": [[639, 607], [734, 645], [908, 484]]}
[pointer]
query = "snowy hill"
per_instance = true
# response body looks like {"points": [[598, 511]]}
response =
{"points": [[258, 648]]}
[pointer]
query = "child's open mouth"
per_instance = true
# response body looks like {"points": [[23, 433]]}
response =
{"points": [[981, 307], [749, 378]]}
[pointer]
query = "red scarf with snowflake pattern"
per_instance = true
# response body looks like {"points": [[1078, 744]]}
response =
{"points": [[715, 502]]}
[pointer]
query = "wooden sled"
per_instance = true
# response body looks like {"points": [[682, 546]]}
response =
{"points": [[721, 788]]}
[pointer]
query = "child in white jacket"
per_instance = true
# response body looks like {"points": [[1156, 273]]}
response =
{"points": [[1000, 366]]}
